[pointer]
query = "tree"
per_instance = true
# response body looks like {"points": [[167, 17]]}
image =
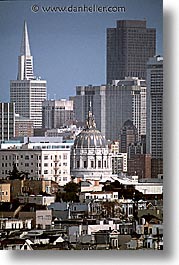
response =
{"points": [[16, 174], [71, 187], [70, 193]]}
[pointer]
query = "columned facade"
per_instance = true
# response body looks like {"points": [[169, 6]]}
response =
{"points": [[90, 157]]}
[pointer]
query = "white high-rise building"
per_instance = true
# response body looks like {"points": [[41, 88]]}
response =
{"points": [[28, 92]]}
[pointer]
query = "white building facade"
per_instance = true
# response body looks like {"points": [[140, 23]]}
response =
{"points": [[28, 92], [90, 156], [119, 163], [50, 161]]}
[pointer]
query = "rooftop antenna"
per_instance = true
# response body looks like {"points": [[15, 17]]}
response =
{"points": [[90, 106]]}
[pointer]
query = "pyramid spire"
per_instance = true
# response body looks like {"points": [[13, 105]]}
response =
{"points": [[25, 47], [25, 60]]}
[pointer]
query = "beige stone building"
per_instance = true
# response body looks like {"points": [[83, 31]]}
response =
{"points": [[4, 192]]}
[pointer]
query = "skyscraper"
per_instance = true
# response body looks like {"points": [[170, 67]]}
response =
{"points": [[94, 96], [128, 136], [56, 113], [28, 92], [7, 120], [154, 139], [113, 104], [129, 46]]}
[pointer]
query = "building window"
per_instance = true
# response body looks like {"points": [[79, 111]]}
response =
{"points": [[78, 164], [45, 171], [99, 164], [64, 156], [46, 157], [45, 164], [130, 210], [92, 164], [26, 157], [85, 164]]}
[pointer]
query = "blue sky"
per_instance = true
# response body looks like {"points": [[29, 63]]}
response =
{"points": [[69, 49]]}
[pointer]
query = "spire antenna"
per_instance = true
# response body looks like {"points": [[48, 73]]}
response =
{"points": [[25, 46]]}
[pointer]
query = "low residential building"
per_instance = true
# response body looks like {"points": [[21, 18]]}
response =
{"points": [[41, 216], [127, 207], [4, 191], [98, 196], [49, 161], [37, 199], [16, 244], [32, 186], [9, 210], [69, 210], [104, 239], [15, 224], [90, 186], [150, 227], [152, 187], [107, 225]]}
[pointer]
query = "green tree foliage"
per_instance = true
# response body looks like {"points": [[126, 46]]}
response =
{"points": [[70, 193], [71, 187], [16, 174], [125, 191]]}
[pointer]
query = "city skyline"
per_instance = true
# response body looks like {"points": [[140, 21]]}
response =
{"points": [[79, 46]]}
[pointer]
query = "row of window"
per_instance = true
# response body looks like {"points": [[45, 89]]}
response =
{"points": [[28, 157], [99, 197], [26, 84], [64, 172], [92, 164], [3, 193]]}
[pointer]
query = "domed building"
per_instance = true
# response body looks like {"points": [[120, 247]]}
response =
{"points": [[90, 157]]}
